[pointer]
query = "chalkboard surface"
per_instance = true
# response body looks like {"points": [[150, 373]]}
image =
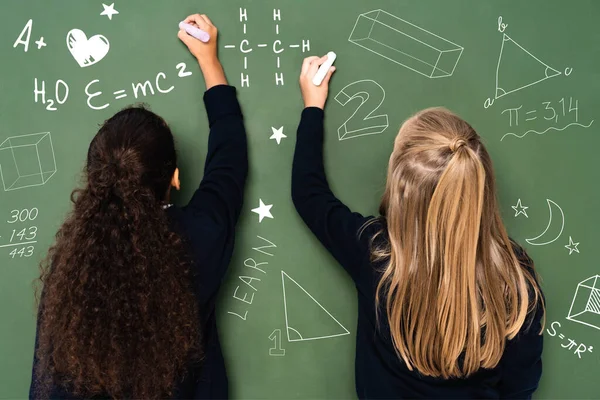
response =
{"points": [[525, 74]]}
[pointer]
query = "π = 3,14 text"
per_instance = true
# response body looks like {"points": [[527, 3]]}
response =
{"points": [[95, 98]]}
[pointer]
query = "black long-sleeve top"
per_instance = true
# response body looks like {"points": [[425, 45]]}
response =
{"points": [[380, 373], [207, 225]]}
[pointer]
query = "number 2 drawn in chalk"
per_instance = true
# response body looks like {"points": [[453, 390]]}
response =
{"points": [[362, 122], [276, 350]]}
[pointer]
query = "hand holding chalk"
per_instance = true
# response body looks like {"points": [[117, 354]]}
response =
{"points": [[200, 36], [195, 32], [315, 87], [324, 68]]}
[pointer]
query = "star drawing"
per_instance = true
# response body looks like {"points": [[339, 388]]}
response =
{"points": [[572, 247], [109, 11], [277, 134], [263, 210], [520, 209]]}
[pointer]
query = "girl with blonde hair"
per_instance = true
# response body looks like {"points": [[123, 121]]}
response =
{"points": [[449, 305]]}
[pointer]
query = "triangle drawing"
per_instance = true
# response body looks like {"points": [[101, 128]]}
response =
{"points": [[518, 68], [305, 318]]}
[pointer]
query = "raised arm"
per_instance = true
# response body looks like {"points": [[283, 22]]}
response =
{"points": [[336, 227], [220, 193], [213, 211]]}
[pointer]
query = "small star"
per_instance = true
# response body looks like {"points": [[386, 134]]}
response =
{"points": [[263, 210], [572, 246], [109, 11], [520, 209], [277, 134], [40, 43]]}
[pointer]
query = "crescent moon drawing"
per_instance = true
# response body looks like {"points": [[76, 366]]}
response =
{"points": [[546, 237]]}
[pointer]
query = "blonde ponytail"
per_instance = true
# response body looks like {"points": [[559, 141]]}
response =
{"points": [[452, 277]]}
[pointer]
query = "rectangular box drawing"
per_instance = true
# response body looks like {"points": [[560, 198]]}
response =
{"points": [[26, 161], [585, 308], [406, 44]]}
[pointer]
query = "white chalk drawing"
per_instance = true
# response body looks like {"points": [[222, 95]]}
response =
{"points": [[24, 36], [277, 350], [585, 307], [362, 122], [277, 134], [40, 43], [520, 209], [517, 68], [87, 51], [572, 246], [546, 130], [263, 210], [550, 235], [246, 48], [109, 11], [181, 67], [305, 318], [26, 161], [406, 44]]}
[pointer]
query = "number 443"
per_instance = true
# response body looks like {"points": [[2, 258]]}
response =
{"points": [[26, 251]]}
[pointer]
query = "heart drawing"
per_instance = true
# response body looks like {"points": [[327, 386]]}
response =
{"points": [[87, 51]]}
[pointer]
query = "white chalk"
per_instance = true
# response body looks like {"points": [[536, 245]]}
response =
{"points": [[324, 68], [195, 32]]}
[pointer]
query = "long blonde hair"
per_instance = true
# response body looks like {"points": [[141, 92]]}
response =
{"points": [[453, 287]]}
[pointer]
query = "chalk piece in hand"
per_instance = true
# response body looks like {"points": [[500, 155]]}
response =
{"points": [[324, 68], [195, 32]]}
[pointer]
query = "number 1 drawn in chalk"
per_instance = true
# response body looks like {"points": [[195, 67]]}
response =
{"points": [[362, 122], [276, 350]]}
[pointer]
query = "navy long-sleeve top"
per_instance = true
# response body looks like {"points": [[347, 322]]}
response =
{"points": [[380, 373], [207, 224]]}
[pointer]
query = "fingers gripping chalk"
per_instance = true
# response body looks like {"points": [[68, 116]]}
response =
{"points": [[324, 68], [195, 32]]}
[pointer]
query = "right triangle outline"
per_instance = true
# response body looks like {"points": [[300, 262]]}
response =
{"points": [[296, 333], [546, 71]]}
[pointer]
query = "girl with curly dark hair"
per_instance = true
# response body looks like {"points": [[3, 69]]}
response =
{"points": [[128, 301]]}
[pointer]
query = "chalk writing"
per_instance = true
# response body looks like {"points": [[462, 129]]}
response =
{"points": [[245, 48], [149, 87], [548, 112], [277, 350], [250, 279], [518, 68], [568, 343], [20, 240], [363, 120]]}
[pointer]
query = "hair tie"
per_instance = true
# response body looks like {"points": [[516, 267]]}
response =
{"points": [[457, 143]]}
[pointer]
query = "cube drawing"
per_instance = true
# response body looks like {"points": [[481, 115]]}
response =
{"points": [[406, 44], [26, 160], [585, 308]]}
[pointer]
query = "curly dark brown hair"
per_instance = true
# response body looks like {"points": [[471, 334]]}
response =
{"points": [[118, 315]]}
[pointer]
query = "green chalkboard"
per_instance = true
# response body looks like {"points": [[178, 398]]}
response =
{"points": [[529, 84]]}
